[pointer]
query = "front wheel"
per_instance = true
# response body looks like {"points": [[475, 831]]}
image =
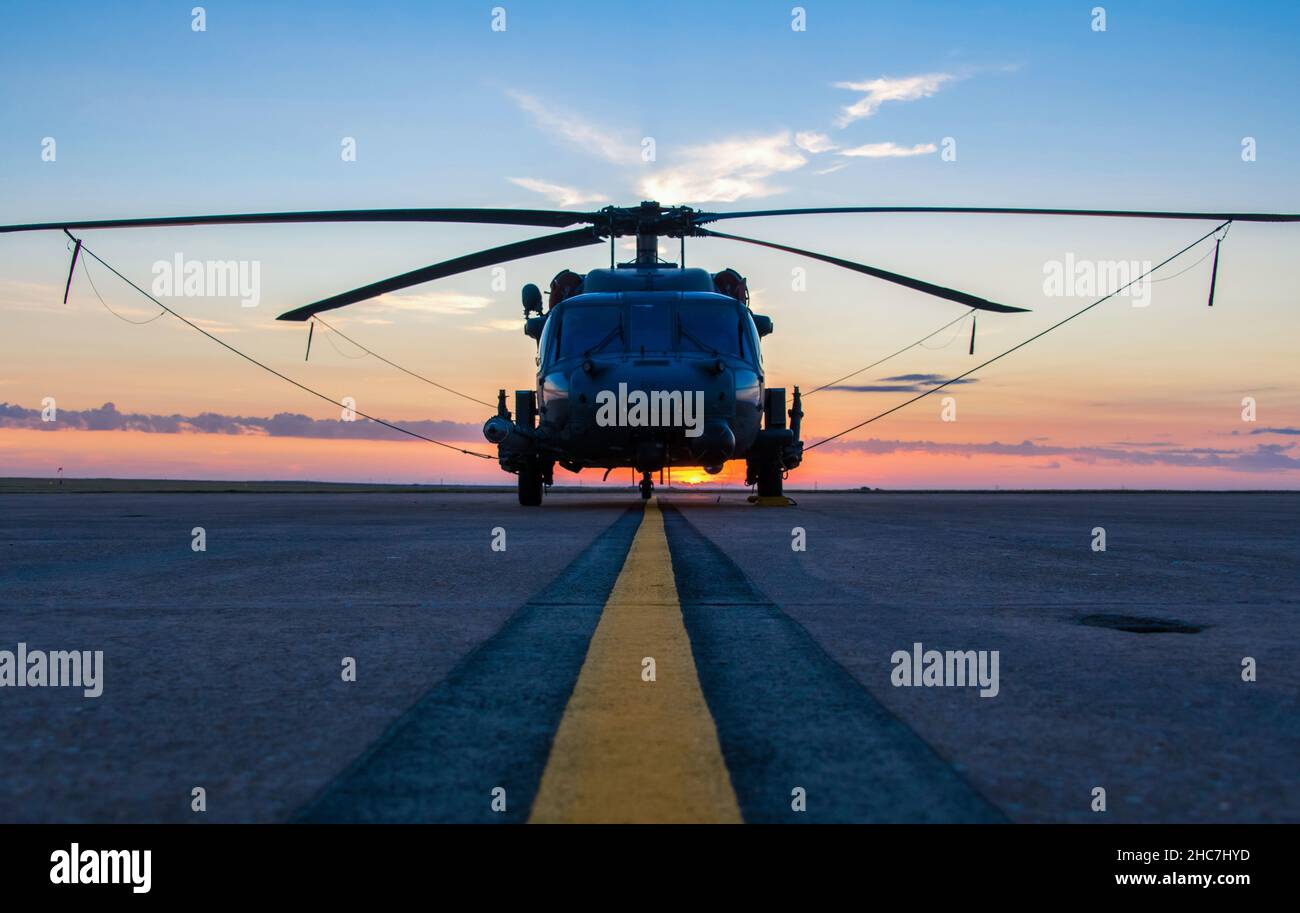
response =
{"points": [[530, 486]]}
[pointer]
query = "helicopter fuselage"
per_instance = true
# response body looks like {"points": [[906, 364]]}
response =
{"points": [[650, 392], [640, 367]]}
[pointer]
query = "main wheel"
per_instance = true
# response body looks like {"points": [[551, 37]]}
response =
{"points": [[647, 489], [530, 485], [770, 482]]}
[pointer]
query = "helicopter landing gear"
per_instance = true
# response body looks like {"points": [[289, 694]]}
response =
{"points": [[647, 486], [777, 449], [530, 484], [771, 481]]}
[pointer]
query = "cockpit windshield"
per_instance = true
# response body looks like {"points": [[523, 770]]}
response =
{"points": [[707, 326], [651, 326], [642, 325], [585, 327]]}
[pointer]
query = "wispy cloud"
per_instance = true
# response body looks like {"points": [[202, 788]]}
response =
{"points": [[432, 302], [212, 326], [903, 383], [33, 296], [723, 171], [499, 326], [815, 143], [888, 150], [735, 167], [878, 91], [910, 378], [560, 194], [726, 171], [615, 146]]}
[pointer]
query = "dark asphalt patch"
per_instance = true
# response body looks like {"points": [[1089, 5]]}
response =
{"points": [[789, 716], [1139, 624], [490, 723]]}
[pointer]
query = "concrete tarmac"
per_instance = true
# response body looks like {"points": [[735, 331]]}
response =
{"points": [[1119, 669]]}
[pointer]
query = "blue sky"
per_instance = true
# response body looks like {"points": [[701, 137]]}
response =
{"points": [[152, 118], [252, 109]]}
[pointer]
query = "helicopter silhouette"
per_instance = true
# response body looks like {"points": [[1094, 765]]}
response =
{"points": [[646, 364]]}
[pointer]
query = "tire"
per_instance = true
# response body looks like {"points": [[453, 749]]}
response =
{"points": [[646, 491], [530, 486], [770, 482]]}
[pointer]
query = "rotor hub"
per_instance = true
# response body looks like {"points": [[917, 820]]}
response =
{"points": [[650, 219]]}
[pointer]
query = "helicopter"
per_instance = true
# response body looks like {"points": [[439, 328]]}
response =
{"points": [[647, 364], [650, 364]]}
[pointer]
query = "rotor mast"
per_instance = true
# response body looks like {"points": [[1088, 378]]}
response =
{"points": [[648, 226], [647, 248]]}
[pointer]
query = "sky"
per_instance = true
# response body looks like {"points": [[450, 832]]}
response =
{"points": [[120, 110]]}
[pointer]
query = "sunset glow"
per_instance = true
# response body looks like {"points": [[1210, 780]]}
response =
{"points": [[1147, 390]]}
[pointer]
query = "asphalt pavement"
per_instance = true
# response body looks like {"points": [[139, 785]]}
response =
{"points": [[499, 655]]}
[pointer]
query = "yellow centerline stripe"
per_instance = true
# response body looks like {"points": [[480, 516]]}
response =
{"points": [[629, 750]]}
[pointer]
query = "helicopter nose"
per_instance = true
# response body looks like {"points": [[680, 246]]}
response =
{"points": [[697, 400]]}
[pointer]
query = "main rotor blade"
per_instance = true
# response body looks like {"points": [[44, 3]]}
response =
{"points": [[701, 218], [543, 218], [544, 245], [919, 285]]}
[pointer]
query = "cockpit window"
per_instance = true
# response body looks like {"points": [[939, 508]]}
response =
{"points": [[585, 327], [546, 345], [651, 327], [749, 332], [709, 327], [649, 324]]}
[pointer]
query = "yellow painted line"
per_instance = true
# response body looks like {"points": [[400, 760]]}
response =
{"points": [[629, 750]]}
